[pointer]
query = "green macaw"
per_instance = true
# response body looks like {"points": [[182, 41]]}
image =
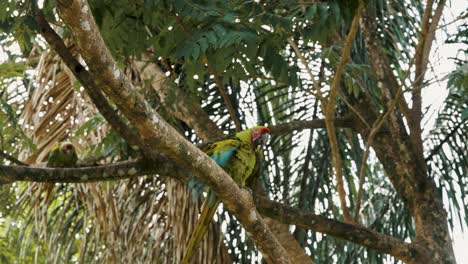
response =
{"points": [[62, 155], [237, 156]]}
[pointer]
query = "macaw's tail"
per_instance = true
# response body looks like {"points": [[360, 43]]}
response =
{"points": [[208, 210]]}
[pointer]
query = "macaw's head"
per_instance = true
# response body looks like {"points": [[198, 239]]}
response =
{"points": [[67, 148], [259, 135]]}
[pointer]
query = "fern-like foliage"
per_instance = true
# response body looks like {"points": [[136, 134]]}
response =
{"points": [[447, 153]]}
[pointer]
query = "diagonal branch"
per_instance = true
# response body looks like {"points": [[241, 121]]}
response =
{"points": [[156, 134], [329, 107], [86, 80], [378, 123], [330, 113], [299, 54], [11, 158], [426, 36], [386, 80], [180, 104], [351, 232], [227, 100]]}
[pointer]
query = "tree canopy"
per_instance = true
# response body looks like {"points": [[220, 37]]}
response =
{"points": [[354, 173]]}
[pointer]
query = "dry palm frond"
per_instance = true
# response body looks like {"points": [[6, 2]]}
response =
{"points": [[143, 220], [53, 111]]}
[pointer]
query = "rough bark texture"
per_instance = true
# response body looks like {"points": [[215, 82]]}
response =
{"points": [[403, 161], [351, 232]]}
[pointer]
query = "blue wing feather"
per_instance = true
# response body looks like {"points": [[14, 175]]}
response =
{"points": [[221, 158]]}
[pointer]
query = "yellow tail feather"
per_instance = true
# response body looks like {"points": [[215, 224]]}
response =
{"points": [[200, 229]]}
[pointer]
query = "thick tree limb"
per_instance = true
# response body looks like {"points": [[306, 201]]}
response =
{"points": [[379, 122], [404, 163], [157, 133], [351, 232], [391, 147], [386, 80]]}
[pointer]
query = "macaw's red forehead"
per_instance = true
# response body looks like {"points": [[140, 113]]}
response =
{"points": [[67, 146], [264, 130], [259, 131]]}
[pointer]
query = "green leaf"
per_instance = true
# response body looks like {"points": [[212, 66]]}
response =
{"points": [[323, 13], [203, 42], [311, 12]]}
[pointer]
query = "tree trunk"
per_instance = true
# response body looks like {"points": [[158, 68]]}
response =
{"points": [[416, 188]]}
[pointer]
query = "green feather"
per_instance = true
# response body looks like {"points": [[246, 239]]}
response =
{"points": [[62, 155], [238, 157]]}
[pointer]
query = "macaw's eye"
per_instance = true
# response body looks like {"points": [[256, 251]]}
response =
{"points": [[265, 138]]}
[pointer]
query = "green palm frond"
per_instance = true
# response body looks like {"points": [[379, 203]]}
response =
{"points": [[447, 153]]}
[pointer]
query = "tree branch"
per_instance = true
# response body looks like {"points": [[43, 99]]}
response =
{"points": [[183, 106], [115, 171], [156, 134], [161, 165], [386, 80], [85, 78], [351, 232], [426, 36], [379, 122], [330, 113], [299, 54], [226, 99], [289, 127], [11, 158]]}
